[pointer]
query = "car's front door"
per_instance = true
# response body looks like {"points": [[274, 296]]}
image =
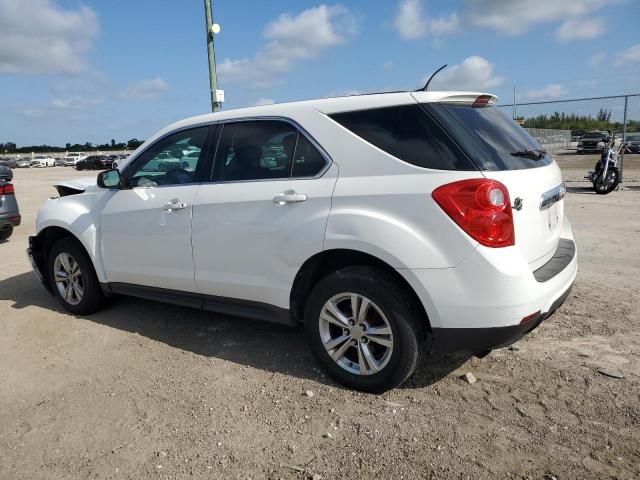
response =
{"points": [[264, 214], [146, 227]]}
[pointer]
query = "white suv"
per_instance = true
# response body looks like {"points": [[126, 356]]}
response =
{"points": [[385, 223], [72, 158]]}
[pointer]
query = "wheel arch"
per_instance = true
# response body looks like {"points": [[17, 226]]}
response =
{"points": [[321, 264], [45, 239]]}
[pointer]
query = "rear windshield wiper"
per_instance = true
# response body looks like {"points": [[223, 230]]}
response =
{"points": [[534, 154]]}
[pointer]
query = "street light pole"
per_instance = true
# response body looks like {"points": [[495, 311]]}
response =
{"points": [[213, 81]]}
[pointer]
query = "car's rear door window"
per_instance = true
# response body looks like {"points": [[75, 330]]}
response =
{"points": [[407, 133], [489, 136]]}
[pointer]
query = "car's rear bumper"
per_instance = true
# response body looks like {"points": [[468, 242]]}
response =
{"points": [[474, 340], [14, 219], [483, 302]]}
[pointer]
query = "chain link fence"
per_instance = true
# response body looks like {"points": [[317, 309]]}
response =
{"points": [[571, 130]]}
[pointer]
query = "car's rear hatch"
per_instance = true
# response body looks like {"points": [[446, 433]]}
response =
{"points": [[504, 151]]}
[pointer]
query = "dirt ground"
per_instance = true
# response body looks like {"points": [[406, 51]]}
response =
{"points": [[144, 390]]}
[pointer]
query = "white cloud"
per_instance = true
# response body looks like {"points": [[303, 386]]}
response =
{"points": [[515, 17], [596, 59], [553, 90], [630, 55], [38, 37], [411, 23], [474, 73], [265, 101], [580, 29], [74, 103], [290, 39], [145, 89]]}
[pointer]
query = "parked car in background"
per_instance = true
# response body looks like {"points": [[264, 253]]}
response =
{"points": [[6, 173], [389, 224], [594, 141], [9, 162], [9, 212], [59, 161], [95, 162], [105, 162], [633, 142], [72, 158], [88, 163], [23, 163], [119, 160], [42, 161]]}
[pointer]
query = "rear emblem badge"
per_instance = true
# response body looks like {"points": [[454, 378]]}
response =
{"points": [[517, 204]]}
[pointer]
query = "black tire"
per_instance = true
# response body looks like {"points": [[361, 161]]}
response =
{"points": [[408, 326], [613, 179], [92, 298], [5, 233]]}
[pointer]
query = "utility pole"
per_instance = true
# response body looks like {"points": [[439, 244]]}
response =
{"points": [[212, 29], [515, 109]]}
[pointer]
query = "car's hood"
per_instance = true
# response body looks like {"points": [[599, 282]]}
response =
{"points": [[75, 185]]}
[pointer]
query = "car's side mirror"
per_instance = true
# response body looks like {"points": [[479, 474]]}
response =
{"points": [[109, 179]]}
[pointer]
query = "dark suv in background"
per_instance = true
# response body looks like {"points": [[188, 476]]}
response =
{"points": [[9, 213], [593, 142]]}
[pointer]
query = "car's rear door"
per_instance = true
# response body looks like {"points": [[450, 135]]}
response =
{"points": [[263, 214], [505, 151], [146, 228]]}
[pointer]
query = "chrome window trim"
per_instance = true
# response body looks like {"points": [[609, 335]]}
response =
{"points": [[295, 124]]}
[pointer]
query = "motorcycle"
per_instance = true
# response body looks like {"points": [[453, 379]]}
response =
{"points": [[606, 176]]}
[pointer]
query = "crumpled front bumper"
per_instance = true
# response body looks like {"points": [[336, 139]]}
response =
{"points": [[36, 256]]}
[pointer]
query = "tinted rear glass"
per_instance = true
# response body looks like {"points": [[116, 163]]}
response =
{"points": [[488, 135], [407, 133]]}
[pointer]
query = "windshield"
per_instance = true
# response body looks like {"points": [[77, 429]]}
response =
{"points": [[593, 135], [490, 137]]}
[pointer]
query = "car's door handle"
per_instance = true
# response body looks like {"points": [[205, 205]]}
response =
{"points": [[175, 205], [290, 196]]}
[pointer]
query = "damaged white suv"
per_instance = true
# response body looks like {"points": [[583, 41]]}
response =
{"points": [[382, 222]]}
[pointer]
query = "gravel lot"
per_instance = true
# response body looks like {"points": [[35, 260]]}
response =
{"points": [[145, 390]]}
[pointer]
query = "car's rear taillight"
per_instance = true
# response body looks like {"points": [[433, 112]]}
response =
{"points": [[7, 189], [481, 207]]}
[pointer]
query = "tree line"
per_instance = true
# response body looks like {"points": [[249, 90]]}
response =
{"points": [[11, 147], [578, 124]]}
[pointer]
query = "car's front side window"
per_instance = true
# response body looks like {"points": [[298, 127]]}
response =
{"points": [[173, 160]]}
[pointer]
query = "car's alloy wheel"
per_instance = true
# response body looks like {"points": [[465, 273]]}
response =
{"points": [[356, 333], [68, 278], [365, 327], [73, 278]]}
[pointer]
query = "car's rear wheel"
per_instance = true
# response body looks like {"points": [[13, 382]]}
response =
{"points": [[364, 328], [73, 278], [6, 231]]}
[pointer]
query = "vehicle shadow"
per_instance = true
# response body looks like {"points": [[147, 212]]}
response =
{"points": [[270, 347], [582, 189]]}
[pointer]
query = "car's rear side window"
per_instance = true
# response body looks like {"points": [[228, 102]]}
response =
{"points": [[407, 133]]}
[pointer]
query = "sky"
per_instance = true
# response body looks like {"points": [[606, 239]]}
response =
{"points": [[95, 70]]}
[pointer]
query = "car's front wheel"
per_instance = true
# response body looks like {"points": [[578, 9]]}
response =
{"points": [[73, 278], [364, 328]]}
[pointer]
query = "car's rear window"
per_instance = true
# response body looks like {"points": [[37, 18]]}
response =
{"points": [[489, 136], [407, 133]]}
